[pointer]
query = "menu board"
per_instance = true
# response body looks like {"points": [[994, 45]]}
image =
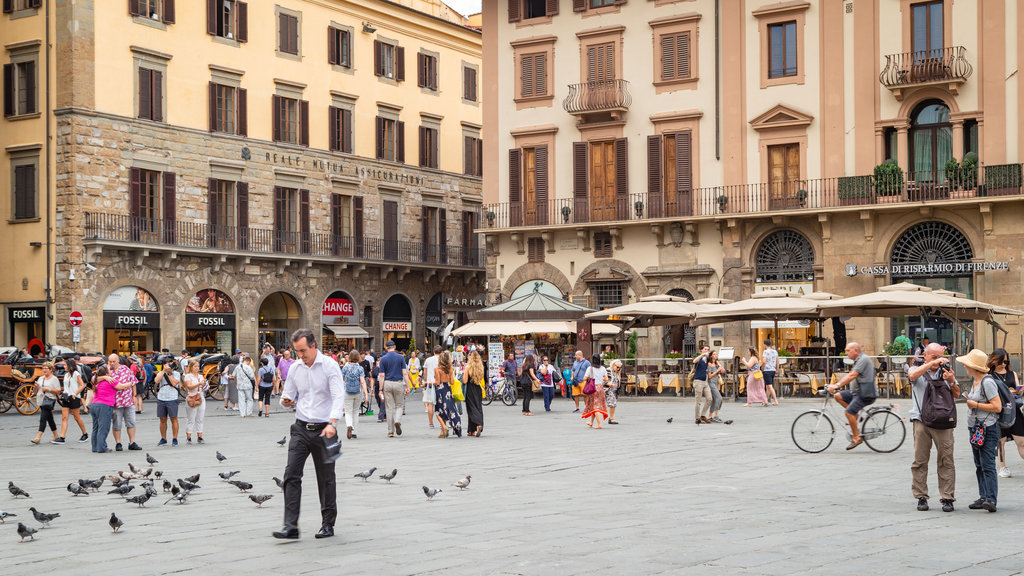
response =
{"points": [[495, 356]]}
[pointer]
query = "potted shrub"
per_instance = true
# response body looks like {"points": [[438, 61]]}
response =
{"points": [[952, 171], [490, 218], [722, 201], [801, 197], [1002, 179], [784, 356], [672, 358], [897, 351], [638, 208], [565, 214], [854, 190], [888, 179], [969, 171]]}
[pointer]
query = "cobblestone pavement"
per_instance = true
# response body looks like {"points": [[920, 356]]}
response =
{"points": [[548, 496]]}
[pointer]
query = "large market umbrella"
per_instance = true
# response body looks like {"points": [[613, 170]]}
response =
{"points": [[533, 306], [648, 313], [774, 305]]}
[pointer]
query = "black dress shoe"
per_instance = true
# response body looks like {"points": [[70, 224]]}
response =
{"points": [[326, 531], [287, 533]]}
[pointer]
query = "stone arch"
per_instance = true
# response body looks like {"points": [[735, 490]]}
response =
{"points": [[930, 93], [761, 232], [667, 285], [893, 232], [636, 282], [124, 273], [536, 271]]}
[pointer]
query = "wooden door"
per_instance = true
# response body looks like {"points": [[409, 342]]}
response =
{"points": [[783, 175], [602, 181]]}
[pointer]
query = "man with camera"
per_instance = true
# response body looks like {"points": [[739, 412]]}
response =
{"points": [[166, 382], [701, 390], [934, 371], [862, 392]]}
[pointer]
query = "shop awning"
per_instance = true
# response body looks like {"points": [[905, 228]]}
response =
{"points": [[514, 328], [345, 331], [769, 325]]}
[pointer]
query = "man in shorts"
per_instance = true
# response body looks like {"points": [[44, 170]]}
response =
{"points": [[862, 390], [166, 382], [124, 404]]}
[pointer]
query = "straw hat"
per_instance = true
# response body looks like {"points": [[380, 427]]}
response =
{"points": [[975, 359]]}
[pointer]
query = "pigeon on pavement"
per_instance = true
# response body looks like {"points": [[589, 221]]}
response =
{"points": [[180, 497], [115, 522], [193, 478], [132, 468], [279, 482], [431, 492], [259, 499], [5, 515], [141, 500], [122, 490], [84, 483], [227, 475], [44, 518], [243, 486], [282, 441], [167, 485], [221, 457], [187, 485], [390, 475], [25, 531], [97, 484], [669, 420], [365, 475], [15, 491], [150, 491], [150, 459], [78, 489], [158, 474], [463, 484], [117, 481]]}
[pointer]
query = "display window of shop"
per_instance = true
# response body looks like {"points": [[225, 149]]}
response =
{"points": [[27, 328], [340, 319], [210, 322], [280, 315], [131, 321], [398, 323]]}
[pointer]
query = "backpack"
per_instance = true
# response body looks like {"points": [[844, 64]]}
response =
{"points": [[937, 408], [351, 377], [268, 377], [1009, 412]]}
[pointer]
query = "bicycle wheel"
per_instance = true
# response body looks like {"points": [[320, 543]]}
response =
{"points": [[813, 431], [508, 397], [490, 396], [883, 431]]}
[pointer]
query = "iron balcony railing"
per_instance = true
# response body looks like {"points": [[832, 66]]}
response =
{"points": [[908, 68], [598, 96], [959, 183], [109, 227]]}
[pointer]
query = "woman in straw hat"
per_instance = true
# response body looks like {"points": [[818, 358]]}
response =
{"points": [[982, 424]]}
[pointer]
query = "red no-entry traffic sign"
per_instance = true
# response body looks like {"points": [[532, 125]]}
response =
{"points": [[75, 318]]}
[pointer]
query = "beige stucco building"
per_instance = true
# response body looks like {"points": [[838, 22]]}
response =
{"points": [[711, 148], [222, 172]]}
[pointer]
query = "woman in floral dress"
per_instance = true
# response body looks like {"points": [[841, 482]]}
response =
{"points": [[444, 405]]}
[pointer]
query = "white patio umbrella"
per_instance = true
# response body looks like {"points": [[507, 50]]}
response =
{"points": [[774, 305], [648, 313]]}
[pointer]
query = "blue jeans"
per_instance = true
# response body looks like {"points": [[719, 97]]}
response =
{"points": [[101, 417], [985, 463], [549, 395]]}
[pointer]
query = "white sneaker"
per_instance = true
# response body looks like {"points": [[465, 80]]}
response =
{"points": [[1004, 472]]}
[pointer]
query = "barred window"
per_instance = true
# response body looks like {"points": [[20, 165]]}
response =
{"points": [[607, 294]]}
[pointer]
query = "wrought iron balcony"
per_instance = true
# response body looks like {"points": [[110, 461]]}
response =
{"points": [[124, 231], [948, 67], [606, 96]]}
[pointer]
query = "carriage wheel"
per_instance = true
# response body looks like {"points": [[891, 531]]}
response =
{"points": [[5, 405], [25, 399], [216, 391]]}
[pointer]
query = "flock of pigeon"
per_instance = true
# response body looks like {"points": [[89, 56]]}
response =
{"points": [[430, 492], [123, 487]]}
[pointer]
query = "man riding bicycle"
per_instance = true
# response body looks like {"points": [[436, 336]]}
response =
{"points": [[862, 390]]}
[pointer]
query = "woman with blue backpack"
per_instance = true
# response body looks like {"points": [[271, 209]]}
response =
{"points": [[354, 377]]}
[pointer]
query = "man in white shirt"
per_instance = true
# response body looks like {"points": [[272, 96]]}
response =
{"points": [[315, 388]]}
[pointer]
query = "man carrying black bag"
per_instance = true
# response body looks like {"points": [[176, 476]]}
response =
{"points": [[314, 387], [933, 414]]}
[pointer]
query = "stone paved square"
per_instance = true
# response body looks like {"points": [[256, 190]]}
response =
{"points": [[548, 496]]}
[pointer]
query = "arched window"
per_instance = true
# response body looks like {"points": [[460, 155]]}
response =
{"points": [[927, 244], [785, 256], [931, 141]]}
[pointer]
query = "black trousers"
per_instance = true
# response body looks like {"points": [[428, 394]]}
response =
{"points": [[305, 443], [527, 390], [46, 417]]}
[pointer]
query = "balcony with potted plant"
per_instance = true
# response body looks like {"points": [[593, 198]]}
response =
{"points": [[854, 190]]}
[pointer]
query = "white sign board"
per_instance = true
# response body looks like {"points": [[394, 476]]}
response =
{"points": [[76, 334], [726, 353]]}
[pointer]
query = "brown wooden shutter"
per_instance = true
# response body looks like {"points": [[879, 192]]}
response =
{"points": [[211, 213], [421, 73], [170, 219], [282, 32], [133, 7], [211, 16], [275, 117], [400, 141], [479, 157], [278, 217], [158, 99], [168, 12], [467, 155], [243, 21], [145, 94], [684, 174], [8, 89], [304, 220], [551, 8], [213, 106], [654, 186], [442, 236], [399, 63], [30, 88], [333, 128], [579, 5], [526, 76], [346, 131], [540, 82], [332, 45], [293, 34], [425, 233], [304, 121], [668, 57], [515, 186], [337, 242], [423, 145], [580, 179], [380, 137], [377, 68], [515, 9], [243, 113], [357, 226], [621, 179], [540, 170], [683, 53], [135, 202], [242, 190], [592, 62]]}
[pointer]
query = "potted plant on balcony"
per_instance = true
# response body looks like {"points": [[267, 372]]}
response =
{"points": [[565, 214], [888, 181], [490, 219], [801, 197], [854, 190], [638, 208], [722, 201], [969, 171], [1002, 179]]}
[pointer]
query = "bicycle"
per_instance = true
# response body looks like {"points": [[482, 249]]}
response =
{"points": [[500, 387], [882, 428]]}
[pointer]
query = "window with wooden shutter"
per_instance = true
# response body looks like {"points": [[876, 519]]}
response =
{"points": [[287, 122], [540, 176], [390, 217], [288, 33], [135, 202], [533, 75], [472, 156], [333, 128], [580, 181], [346, 131], [20, 88], [655, 194], [304, 221], [304, 122], [150, 94], [243, 112], [357, 226], [224, 108], [242, 15], [170, 208], [213, 231], [426, 71], [400, 63], [515, 186], [469, 89], [535, 250], [227, 19], [399, 141], [675, 56], [602, 245], [683, 174], [515, 10], [242, 189], [601, 63], [428, 142], [24, 192], [621, 179]]}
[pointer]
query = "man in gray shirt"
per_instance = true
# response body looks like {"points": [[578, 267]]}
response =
{"points": [[933, 370], [862, 392]]}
